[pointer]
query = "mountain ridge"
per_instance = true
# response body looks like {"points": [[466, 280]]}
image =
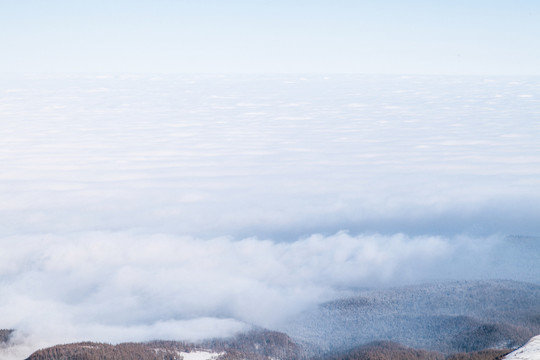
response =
{"points": [[452, 320], [433, 316]]}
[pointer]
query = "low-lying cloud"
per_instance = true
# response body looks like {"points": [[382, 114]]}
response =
{"points": [[126, 286]]}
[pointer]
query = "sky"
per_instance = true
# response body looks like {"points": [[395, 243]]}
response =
{"points": [[317, 36]]}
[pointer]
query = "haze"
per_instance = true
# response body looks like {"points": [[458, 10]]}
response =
{"points": [[345, 36]]}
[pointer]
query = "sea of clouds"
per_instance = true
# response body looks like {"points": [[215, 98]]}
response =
{"points": [[181, 207]]}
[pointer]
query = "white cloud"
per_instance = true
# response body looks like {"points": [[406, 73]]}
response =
{"points": [[185, 158], [129, 286]]}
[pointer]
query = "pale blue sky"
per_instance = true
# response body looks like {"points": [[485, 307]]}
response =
{"points": [[397, 37]]}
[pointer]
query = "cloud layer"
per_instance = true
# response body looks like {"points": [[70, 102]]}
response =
{"points": [[127, 286], [270, 156], [134, 208]]}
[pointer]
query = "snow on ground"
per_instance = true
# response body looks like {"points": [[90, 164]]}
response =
{"points": [[530, 351], [199, 355]]}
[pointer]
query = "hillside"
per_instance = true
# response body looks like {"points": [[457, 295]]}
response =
{"points": [[385, 350], [97, 351], [449, 317], [261, 345], [5, 335], [253, 345], [468, 320]]}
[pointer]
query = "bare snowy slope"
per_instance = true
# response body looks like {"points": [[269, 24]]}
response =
{"points": [[531, 351]]}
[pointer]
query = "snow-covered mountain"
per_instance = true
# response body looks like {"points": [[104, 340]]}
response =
{"points": [[448, 317]]}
